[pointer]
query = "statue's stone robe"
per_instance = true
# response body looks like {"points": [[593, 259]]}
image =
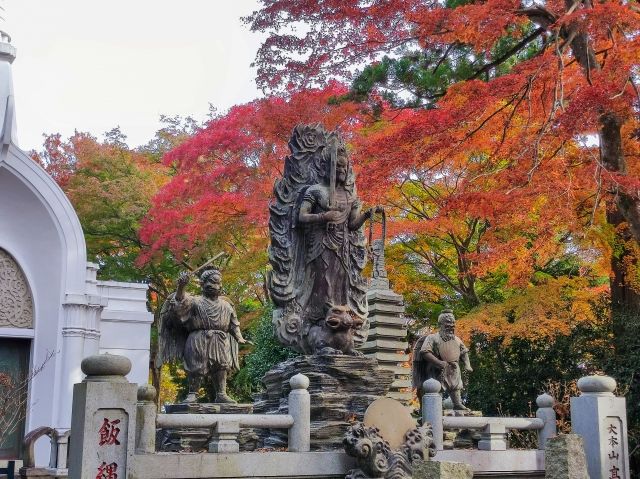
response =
{"points": [[213, 333], [450, 351], [334, 257]]}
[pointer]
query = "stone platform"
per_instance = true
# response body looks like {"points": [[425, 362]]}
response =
{"points": [[341, 388], [197, 439]]}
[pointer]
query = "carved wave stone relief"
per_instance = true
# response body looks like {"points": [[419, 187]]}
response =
{"points": [[16, 304]]}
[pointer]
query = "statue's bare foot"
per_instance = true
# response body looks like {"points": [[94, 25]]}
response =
{"points": [[355, 352], [223, 398]]}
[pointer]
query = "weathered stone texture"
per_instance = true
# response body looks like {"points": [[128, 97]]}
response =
{"points": [[441, 470], [565, 458], [197, 439], [341, 389]]}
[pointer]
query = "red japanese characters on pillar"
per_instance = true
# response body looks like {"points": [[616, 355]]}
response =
{"points": [[109, 432], [615, 455], [107, 471], [110, 426]]}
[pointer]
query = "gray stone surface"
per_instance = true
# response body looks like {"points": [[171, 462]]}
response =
{"points": [[280, 465], [546, 412], [601, 419], [299, 408], [103, 418], [387, 341], [441, 470], [565, 458], [197, 439], [376, 459], [106, 367], [341, 389]]}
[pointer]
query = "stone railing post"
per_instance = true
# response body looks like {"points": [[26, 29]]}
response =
{"points": [[103, 420], [146, 420], [59, 456], [601, 419], [493, 437], [300, 410], [432, 410], [548, 415], [224, 438]]}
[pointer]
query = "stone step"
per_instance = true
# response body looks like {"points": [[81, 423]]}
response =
{"points": [[388, 357], [401, 384], [384, 345], [393, 321], [387, 332], [399, 371], [388, 295], [386, 308]]}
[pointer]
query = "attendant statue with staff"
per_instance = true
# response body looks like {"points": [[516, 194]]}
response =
{"points": [[203, 331]]}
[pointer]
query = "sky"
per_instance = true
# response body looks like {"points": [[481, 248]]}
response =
{"points": [[94, 65]]}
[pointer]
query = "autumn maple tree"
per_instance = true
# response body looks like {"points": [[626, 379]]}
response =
{"points": [[502, 125], [217, 200]]}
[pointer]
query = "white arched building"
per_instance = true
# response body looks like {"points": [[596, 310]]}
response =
{"points": [[50, 300]]}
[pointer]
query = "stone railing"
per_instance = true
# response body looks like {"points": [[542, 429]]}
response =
{"points": [[493, 429], [114, 429], [226, 427]]}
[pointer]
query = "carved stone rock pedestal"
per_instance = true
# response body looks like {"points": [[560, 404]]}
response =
{"points": [[197, 439], [341, 389]]}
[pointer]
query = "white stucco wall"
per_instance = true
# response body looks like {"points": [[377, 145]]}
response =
{"points": [[125, 325], [74, 314]]}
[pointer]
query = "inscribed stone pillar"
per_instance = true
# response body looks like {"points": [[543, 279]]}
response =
{"points": [[601, 419], [103, 419]]}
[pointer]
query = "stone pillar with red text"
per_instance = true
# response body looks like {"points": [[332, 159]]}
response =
{"points": [[103, 419], [601, 419]]}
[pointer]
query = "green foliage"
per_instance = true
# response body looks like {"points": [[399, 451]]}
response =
{"points": [[266, 353], [508, 378]]}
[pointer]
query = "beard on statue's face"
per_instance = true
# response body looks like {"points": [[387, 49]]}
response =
{"points": [[448, 328]]}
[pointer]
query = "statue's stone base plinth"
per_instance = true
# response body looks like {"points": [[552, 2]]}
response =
{"points": [[461, 438], [197, 439], [341, 389]]}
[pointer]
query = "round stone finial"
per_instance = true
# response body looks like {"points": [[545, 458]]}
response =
{"points": [[545, 400], [299, 381], [431, 386], [146, 392], [106, 367], [597, 385]]}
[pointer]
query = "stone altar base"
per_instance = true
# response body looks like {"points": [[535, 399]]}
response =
{"points": [[341, 388], [197, 439]]}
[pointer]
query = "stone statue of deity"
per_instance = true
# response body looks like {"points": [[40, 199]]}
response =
{"points": [[203, 331], [437, 356], [317, 251]]}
